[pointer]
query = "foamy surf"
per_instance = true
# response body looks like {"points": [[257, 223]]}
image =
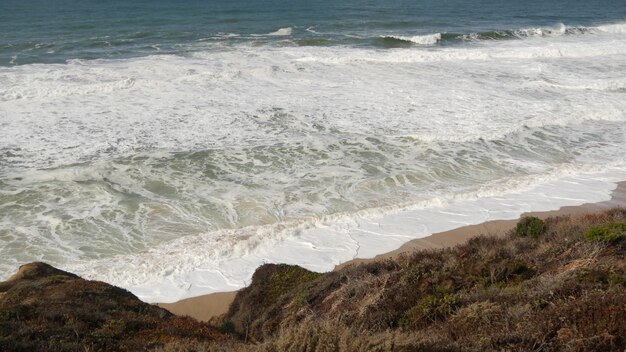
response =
{"points": [[282, 32], [428, 39], [615, 28], [225, 261], [541, 32], [529, 33], [192, 168]]}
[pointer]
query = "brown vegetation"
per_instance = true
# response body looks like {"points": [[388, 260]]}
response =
{"points": [[46, 309], [543, 287], [553, 285]]}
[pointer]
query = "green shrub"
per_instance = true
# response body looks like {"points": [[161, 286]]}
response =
{"points": [[300, 298], [592, 276], [610, 232], [539, 303], [617, 279], [111, 328], [429, 309], [56, 279], [530, 226], [515, 267], [288, 278], [227, 327]]}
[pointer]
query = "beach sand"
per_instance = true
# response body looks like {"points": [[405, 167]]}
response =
{"points": [[207, 306], [202, 307]]}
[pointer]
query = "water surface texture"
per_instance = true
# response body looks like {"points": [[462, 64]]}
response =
{"points": [[172, 147]]}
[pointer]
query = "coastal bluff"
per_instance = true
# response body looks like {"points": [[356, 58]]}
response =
{"points": [[555, 284], [46, 309]]}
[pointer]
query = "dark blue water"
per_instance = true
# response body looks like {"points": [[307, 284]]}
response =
{"points": [[45, 31]]}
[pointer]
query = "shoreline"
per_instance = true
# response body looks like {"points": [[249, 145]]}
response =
{"points": [[205, 307]]}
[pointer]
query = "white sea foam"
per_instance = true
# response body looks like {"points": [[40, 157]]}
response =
{"points": [[615, 28], [541, 32], [428, 39], [192, 170], [225, 261], [140, 96], [282, 32]]}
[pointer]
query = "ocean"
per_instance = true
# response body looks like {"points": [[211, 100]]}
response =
{"points": [[171, 147]]}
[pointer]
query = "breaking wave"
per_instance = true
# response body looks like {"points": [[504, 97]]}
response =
{"points": [[506, 34], [428, 39], [282, 32]]}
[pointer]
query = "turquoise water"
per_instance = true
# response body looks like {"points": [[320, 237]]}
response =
{"points": [[171, 147], [41, 31]]}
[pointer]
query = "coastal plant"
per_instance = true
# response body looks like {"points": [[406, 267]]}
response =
{"points": [[47, 309], [518, 292], [429, 309], [490, 294], [483, 312], [530, 226], [300, 299], [611, 232], [617, 279], [285, 281], [502, 282]]}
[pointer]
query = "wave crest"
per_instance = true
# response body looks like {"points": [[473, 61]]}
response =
{"points": [[506, 34], [615, 28], [428, 39], [282, 32]]}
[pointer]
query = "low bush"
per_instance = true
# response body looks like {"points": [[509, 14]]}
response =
{"points": [[611, 232], [509, 293], [430, 309], [530, 226]]}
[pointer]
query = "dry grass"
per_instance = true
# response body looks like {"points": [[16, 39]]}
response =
{"points": [[45, 309], [547, 291], [543, 287]]}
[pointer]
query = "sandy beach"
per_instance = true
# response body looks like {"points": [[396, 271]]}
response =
{"points": [[211, 305]]}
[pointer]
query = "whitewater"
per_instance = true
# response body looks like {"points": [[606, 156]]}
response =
{"points": [[176, 175]]}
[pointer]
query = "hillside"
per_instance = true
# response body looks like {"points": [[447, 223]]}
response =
{"points": [[46, 309], [558, 285], [543, 287]]}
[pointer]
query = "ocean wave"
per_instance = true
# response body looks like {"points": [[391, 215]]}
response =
{"points": [[60, 102], [428, 39], [225, 260], [505, 34], [77, 87], [523, 33], [617, 28], [282, 32], [510, 52], [220, 36], [241, 176]]}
